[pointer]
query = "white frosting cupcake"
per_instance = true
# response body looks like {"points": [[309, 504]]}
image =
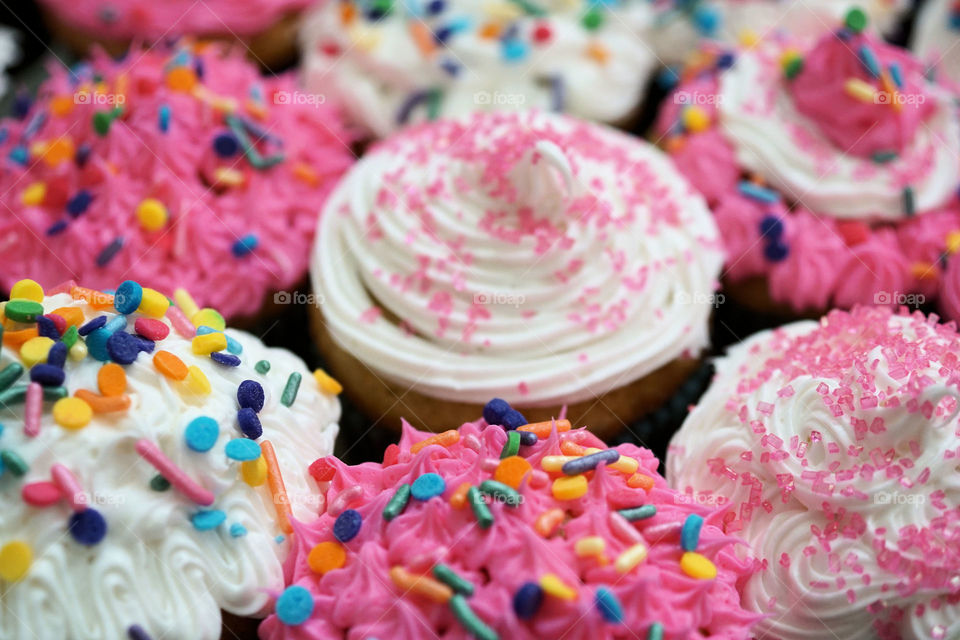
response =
{"points": [[9, 52], [834, 445], [94, 543], [421, 59], [936, 37]]}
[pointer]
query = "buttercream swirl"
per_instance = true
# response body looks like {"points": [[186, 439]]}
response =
{"points": [[935, 36]]}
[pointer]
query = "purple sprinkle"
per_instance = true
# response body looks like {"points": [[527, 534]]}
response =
{"points": [[145, 345], [136, 632], [93, 325], [123, 347], [589, 462], [57, 355], [226, 359], [46, 328], [109, 252], [249, 423], [47, 375], [250, 395], [57, 227]]}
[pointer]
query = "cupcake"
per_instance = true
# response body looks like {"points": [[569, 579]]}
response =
{"points": [[832, 446], [490, 533], [522, 255], [680, 25], [9, 55], [150, 469], [265, 29], [832, 170], [174, 168], [935, 37], [396, 64]]}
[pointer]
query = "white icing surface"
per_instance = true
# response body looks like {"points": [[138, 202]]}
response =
{"points": [[154, 568], [9, 53], [935, 41]]}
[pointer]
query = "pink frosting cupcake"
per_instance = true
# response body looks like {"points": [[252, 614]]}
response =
{"points": [[491, 533], [180, 167], [832, 169]]}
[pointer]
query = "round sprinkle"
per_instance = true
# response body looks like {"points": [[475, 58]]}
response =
{"points": [[569, 487], [87, 527], [154, 303], [225, 144], [347, 525], [512, 446], [151, 328], [698, 566], [262, 367], [209, 318], [111, 379], [23, 310], [202, 433], [855, 20], [72, 413], [27, 290], [41, 494], [123, 347], [47, 375], [250, 395], [15, 560], [245, 245], [513, 419], [609, 605], [242, 449], [494, 410], [254, 472], [170, 365], [511, 471], [237, 530], [695, 119], [249, 423], [127, 297], [690, 532], [208, 520], [327, 556], [397, 503], [428, 486], [93, 325], [159, 483], [527, 600], [35, 350], [294, 606]]}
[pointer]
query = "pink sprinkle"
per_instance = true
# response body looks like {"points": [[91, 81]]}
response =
{"points": [[784, 561], [370, 315], [765, 408], [851, 596], [174, 474], [622, 528], [339, 504], [69, 486], [41, 494], [786, 392], [523, 388], [33, 410], [180, 322]]}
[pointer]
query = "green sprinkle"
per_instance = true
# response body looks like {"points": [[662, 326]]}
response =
{"points": [[12, 460], [159, 483], [433, 104], [856, 20], [909, 206], [656, 632], [529, 7], [397, 503], [55, 393], [793, 67], [290, 390], [474, 625], [14, 395], [480, 509], [101, 122], [10, 374], [70, 337], [383, 7], [592, 19], [249, 150], [510, 496], [639, 513], [883, 157], [262, 367], [452, 579], [512, 447], [23, 310]]}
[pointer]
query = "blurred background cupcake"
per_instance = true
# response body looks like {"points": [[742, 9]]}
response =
{"points": [[832, 446], [936, 36], [398, 63], [522, 255], [177, 167], [150, 468]]}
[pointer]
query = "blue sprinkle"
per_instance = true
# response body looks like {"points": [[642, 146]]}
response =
{"points": [[279, 539], [294, 606], [20, 155], [237, 530], [46, 328], [57, 227], [776, 251], [109, 251], [869, 60], [78, 204], [207, 520], [513, 419], [82, 154], [527, 438], [347, 525], [250, 394], [493, 411], [589, 462], [233, 346], [690, 532], [245, 245], [609, 606], [514, 50], [771, 226], [527, 600], [145, 345], [435, 7], [87, 527], [21, 105], [242, 449], [451, 67], [128, 297], [136, 632], [117, 323], [123, 347], [226, 359], [756, 192], [428, 486], [725, 60], [249, 423], [47, 375], [202, 433], [97, 344], [225, 144], [896, 74], [163, 117], [639, 513], [706, 20], [57, 356]]}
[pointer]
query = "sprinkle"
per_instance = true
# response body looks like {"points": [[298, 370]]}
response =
{"points": [[512, 470], [756, 192], [589, 462], [163, 117], [474, 625], [174, 474], [543, 429], [860, 90], [421, 585], [326, 556], [154, 303], [197, 382], [20, 310], [41, 494], [208, 520], [548, 521], [501, 492], [512, 446], [170, 365], [527, 600], [513, 419], [109, 251], [225, 359], [869, 60], [242, 449], [452, 579], [104, 404], [111, 379], [697, 566], [254, 472], [209, 318], [289, 395], [249, 423], [855, 20], [554, 586], [294, 606], [159, 484], [10, 374], [655, 632], [185, 302], [245, 245], [397, 503], [263, 366], [639, 513], [33, 410], [57, 356], [11, 460], [427, 486], [694, 119], [792, 64], [87, 527], [909, 205], [15, 560], [569, 487], [277, 488], [590, 547], [72, 413], [445, 439], [690, 532], [127, 297], [609, 605], [93, 325], [70, 337], [494, 410], [631, 557], [204, 345], [480, 509], [250, 395], [527, 438], [26, 289], [458, 500], [123, 347]]}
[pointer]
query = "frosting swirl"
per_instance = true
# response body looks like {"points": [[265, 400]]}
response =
{"points": [[935, 37]]}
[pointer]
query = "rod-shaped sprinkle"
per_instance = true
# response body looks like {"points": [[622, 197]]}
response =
{"points": [[452, 579], [277, 488], [33, 410], [397, 503], [174, 474], [421, 585], [69, 487], [474, 625], [639, 513], [590, 462], [502, 492], [480, 508]]}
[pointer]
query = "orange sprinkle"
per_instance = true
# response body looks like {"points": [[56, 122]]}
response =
{"points": [[302, 171], [422, 38], [512, 470], [923, 271], [71, 315], [96, 299], [112, 379], [489, 31], [640, 481], [421, 585], [543, 429], [277, 488], [548, 521], [61, 105], [104, 404], [348, 12], [570, 448], [598, 52], [170, 365], [181, 79], [58, 151], [445, 439], [256, 109], [459, 498], [14, 339], [674, 144]]}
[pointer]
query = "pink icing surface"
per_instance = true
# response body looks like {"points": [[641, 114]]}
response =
{"points": [[360, 601], [136, 160], [155, 19]]}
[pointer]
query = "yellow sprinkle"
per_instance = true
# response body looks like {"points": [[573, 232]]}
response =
{"points": [[254, 471], [555, 587], [34, 194], [15, 560], [27, 290], [590, 547], [625, 464], [184, 300], [631, 557], [570, 487], [153, 303], [695, 119], [78, 351], [208, 343], [953, 242], [72, 413], [697, 566], [35, 350], [228, 177], [748, 37], [326, 383], [197, 381], [860, 90], [152, 214], [553, 464], [365, 38], [504, 11], [208, 318]]}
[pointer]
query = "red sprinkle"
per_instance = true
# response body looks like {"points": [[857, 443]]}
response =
{"points": [[151, 328], [323, 470], [41, 494], [391, 455]]}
